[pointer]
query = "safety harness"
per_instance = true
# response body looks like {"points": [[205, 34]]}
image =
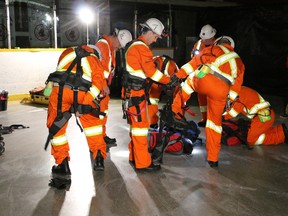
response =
{"points": [[75, 82], [131, 82], [171, 124]]}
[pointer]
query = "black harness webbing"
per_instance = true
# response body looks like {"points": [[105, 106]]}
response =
{"points": [[79, 72], [139, 113], [62, 118]]}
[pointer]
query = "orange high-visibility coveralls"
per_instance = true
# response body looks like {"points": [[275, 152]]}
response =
{"points": [[226, 65], [92, 72], [252, 105], [202, 99], [109, 64], [139, 63], [155, 90]]}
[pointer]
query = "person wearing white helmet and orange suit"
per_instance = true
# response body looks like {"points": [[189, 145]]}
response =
{"points": [[207, 35], [76, 84], [139, 66], [217, 72], [108, 45], [262, 130], [169, 67]]}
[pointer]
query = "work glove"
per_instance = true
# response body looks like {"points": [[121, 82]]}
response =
{"points": [[170, 87], [106, 91], [174, 81]]}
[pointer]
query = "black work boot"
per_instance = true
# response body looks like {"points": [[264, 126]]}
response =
{"points": [[202, 123], [99, 162], [61, 176], [62, 170], [152, 167], [109, 140], [213, 164], [285, 130]]}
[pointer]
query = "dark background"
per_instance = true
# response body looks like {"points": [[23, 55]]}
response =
{"points": [[259, 29]]}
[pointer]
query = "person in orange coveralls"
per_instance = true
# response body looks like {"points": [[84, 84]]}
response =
{"points": [[108, 45], [261, 131], [140, 66], [207, 35], [86, 70], [216, 72], [169, 67]]}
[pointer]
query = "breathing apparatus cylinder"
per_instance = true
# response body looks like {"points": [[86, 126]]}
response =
{"points": [[48, 89]]}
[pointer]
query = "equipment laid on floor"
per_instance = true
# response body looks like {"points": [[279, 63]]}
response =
{"points": [[234, 132], [2, 144], [169, 126], [177, 143], [7, 130]]}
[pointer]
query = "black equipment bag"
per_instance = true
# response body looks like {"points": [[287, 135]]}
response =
{"points": [[234, 132]]}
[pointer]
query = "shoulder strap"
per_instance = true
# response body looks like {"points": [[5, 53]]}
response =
{"points": [[165, 62]]}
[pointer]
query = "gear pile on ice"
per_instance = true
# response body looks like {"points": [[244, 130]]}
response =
{"points": [[7, 130]]}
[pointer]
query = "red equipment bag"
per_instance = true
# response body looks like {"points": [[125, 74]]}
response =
{"points": [[174, 146], [234, 132], [228, 137]]}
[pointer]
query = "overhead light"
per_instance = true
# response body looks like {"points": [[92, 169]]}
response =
{"points": [[48, 17], [86, 15]]}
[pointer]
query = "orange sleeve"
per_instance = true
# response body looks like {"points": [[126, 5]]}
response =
{"points": [[187, 68], [64, 53], [148, 65], [97, 78], [140, 57], [173, 68], [207, 55], [204, 57], [177, 104], [179, 101]]}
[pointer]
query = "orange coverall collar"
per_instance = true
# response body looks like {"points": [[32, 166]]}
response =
{"points": [[142, 39], [106, 37]]}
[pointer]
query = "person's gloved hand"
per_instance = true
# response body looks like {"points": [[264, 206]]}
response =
{"points": [[106, 90], [174, 81]]}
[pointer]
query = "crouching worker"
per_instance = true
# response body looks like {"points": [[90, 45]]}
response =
{"points": [[77, 82], [261, 131]]}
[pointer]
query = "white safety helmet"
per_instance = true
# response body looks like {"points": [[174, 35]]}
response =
{"points": [[154, 25], [207, 32], [225, 39], [124, 36]]}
